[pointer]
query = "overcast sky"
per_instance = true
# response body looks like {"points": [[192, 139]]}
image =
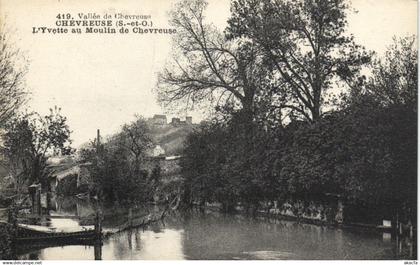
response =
{"points": [[101, 81]]}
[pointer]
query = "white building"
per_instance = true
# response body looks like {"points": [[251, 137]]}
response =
{"points": [[158, 151]]}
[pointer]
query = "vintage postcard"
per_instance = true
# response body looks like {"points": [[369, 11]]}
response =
{"points": [[208, 130]]}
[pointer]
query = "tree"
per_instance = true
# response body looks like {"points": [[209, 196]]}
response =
{"points": [[366, 154], [362, 151], [394, 78], [12, 92], [219, 165], [117, 166], [136, 138], [393, 88], [30, 139], [306, 44], [201, 163], [207, 67]]}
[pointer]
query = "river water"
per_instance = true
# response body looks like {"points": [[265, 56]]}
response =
{"points": [[211, 235]]}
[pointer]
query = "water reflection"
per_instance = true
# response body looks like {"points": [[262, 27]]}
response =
{"points": [[146, 245], [229, 238], [217, 236]]}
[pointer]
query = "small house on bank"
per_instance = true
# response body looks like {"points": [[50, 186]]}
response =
{"points": [[69, 178]]}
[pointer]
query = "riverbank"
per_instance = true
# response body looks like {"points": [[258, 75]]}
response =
{"points": [[275, 213], [193, 235], [204, 231], [107, 221], [406, 243]]}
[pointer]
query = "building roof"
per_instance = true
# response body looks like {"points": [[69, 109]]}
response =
{"points": [[68, 172], [61, 173]]}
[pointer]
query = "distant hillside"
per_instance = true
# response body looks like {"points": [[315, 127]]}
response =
{"points": [[171, 138]]}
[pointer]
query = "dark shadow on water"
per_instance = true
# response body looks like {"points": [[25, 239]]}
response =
{"points": [[213, 235]]}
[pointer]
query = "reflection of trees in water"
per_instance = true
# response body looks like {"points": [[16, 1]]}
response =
{"points": [[137, 238], [129, 239], [64, 249], [119, 243], [223, 236], [32, 255], [126, 243], [97, 250], [75, 206], [66, 205], [156, 227], [215, 235], [212, 236]]}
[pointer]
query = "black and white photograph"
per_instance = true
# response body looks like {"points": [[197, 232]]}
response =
{"points": [[223, 130]]}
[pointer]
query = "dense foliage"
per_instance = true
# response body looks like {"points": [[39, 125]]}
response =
{"points": [[365, 154], [28, 143], [118, 166], [318, 130], [222, 164]]}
